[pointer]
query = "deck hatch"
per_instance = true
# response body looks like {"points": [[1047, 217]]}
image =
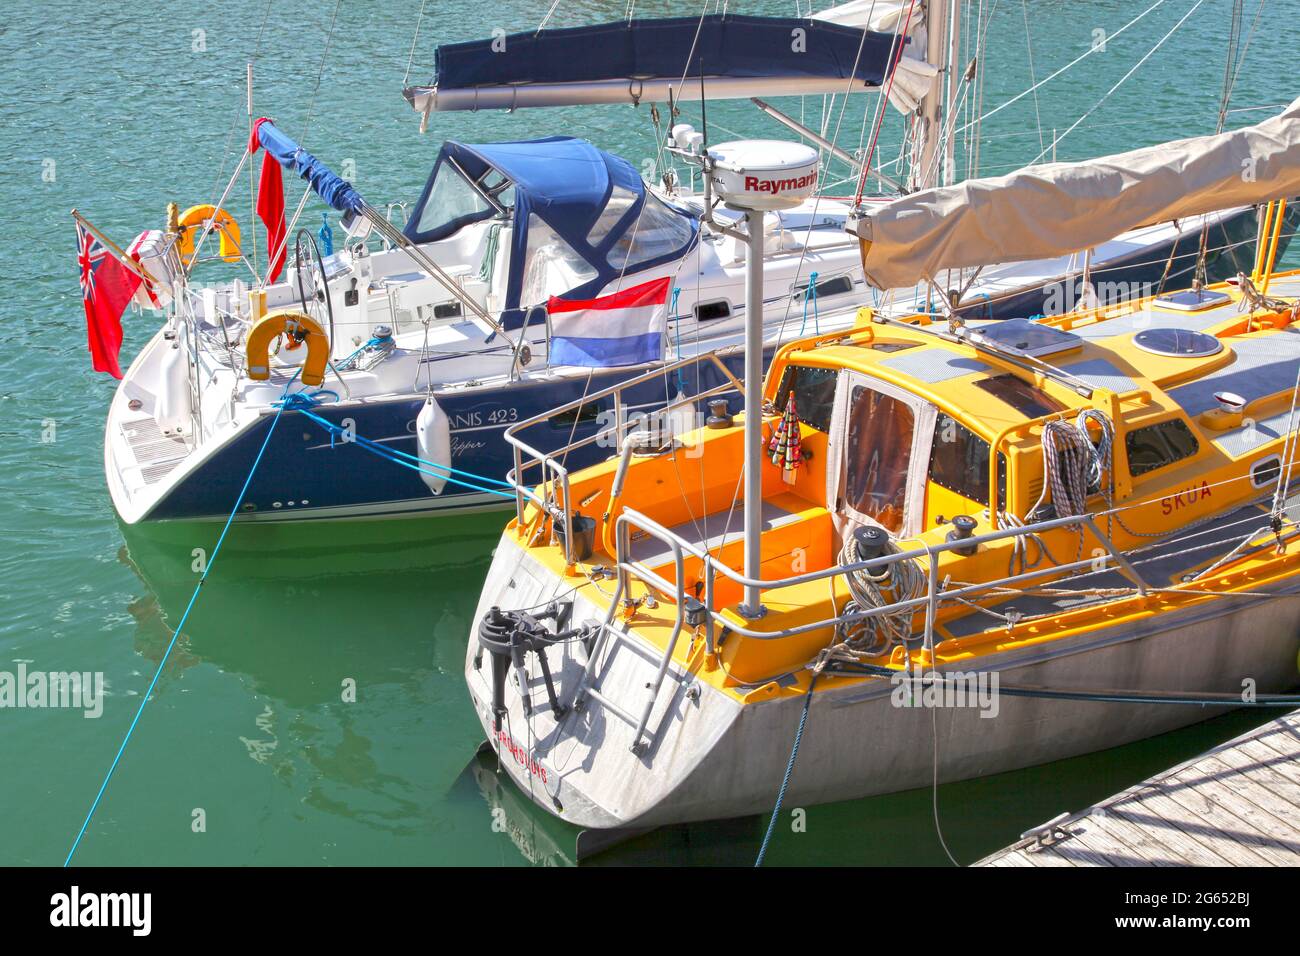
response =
{"points": [[1025, 337], [1177, 343]]}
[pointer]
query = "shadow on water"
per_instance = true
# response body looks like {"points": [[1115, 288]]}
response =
{"points": [[976, 817]]}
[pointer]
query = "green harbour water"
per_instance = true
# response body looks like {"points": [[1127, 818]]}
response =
{"points": [[118, 111]]}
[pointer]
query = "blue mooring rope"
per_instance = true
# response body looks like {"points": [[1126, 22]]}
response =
{"points": [[677, 329], [810, 293], [789, 769], [177, 633], [304, 403]]}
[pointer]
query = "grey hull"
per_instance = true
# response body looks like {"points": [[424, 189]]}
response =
{"points": [[711, 757]]}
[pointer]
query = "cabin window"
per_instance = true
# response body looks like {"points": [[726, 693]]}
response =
{"points": [[1155, 446], [451, 200], [708, 311], [499, 188], [836, 285], [1028, 400], [657, 232], [814, 394], [1266, 471], [582, 415], [878, 455], [959, 460]]}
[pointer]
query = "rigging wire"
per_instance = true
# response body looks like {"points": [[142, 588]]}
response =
{"points": [[1089, 52], [414, 37], [324, 58], [1033, 81], [1136, 66]]}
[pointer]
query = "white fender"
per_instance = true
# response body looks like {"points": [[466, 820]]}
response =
{"points": [[173, 408], [433, 443]]}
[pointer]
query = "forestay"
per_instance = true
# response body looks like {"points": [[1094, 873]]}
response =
{"points": [[1062, 208]]}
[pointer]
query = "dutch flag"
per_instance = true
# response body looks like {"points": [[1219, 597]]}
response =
{"points": [[626, 328]]}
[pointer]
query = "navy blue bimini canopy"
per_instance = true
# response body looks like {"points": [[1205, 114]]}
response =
{"points": [[669, 48], [566, 182]]}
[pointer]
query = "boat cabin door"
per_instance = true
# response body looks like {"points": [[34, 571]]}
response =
{"points": [[881, 436]]}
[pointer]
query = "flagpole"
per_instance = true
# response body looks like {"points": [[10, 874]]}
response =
{"points": [[252, 179], [112, 247]]}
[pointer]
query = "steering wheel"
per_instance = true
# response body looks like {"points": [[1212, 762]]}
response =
{"points": [[313, 285]]}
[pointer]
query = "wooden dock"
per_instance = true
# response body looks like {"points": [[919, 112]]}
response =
{"points": [[1235, 805]]}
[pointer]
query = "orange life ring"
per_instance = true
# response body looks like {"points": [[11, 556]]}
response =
{"points": [[302, 328], [194, 220]]}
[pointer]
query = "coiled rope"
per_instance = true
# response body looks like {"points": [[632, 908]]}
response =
{"points": [[894, 583]]}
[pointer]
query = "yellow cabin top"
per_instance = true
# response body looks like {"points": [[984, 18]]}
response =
{"points": [[906, 426]]}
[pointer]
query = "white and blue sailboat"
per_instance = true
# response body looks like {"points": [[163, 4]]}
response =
{"points": [[412, 351]]}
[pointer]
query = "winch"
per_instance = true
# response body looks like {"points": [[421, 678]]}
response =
{"points": [[380, 346]]}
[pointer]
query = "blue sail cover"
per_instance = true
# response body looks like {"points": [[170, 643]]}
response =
{"points": [[727, 45], [566, 182], [338, 192]]}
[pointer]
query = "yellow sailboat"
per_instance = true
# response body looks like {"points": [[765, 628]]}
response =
{"points": [[1014, 543]]}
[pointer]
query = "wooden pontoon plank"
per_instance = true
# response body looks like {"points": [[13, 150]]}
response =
{"points": [[1238, 804]]}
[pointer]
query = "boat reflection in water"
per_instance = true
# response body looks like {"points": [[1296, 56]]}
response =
{"points": [[330, 664]]}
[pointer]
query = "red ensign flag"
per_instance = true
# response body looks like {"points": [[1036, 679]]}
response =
{"points": [[106, 288], [270, 203]]}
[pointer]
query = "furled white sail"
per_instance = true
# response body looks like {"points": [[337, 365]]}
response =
{"points": [[882, 16], [1061, 208], [913, 77]]}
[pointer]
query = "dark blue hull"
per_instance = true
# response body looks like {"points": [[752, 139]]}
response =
{"points": [[304, 475]]}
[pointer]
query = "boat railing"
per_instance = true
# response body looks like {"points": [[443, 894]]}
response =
{"points": [[550, 491], [691, 611], [631, 519]]}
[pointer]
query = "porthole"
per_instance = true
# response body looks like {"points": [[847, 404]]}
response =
{"points": [[1265, 471]]}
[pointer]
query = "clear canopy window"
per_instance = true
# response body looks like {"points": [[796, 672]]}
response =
{"points": [[551, 265], [451, 198], [620, 201], [878, 454], [658, 231]]}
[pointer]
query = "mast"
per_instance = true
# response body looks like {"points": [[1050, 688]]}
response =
{"points": [[947, 175], [753, 606], [926, 171], [755, 177]]}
